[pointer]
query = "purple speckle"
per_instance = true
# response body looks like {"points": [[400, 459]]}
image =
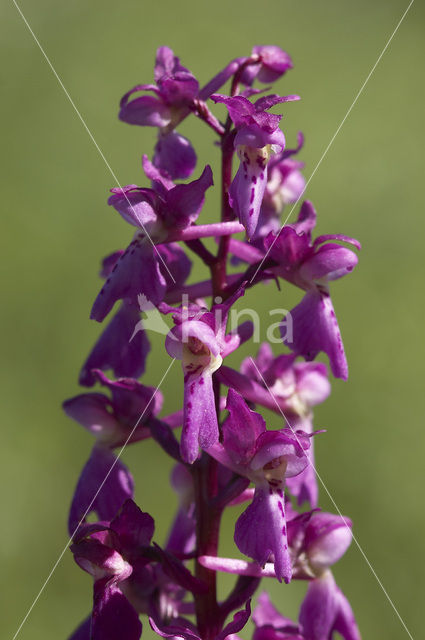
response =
{"points": [[251, 212]]}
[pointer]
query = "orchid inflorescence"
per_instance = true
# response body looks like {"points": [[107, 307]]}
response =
{"points": [[226, 453]]}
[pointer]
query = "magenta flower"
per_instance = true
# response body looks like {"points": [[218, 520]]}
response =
{"points": [[296, 387], [225, 455], [266, 458], [199, 341], [174, 91], [257, 136], [285, 185], [273, 62], [311, 265], [271, 625]]}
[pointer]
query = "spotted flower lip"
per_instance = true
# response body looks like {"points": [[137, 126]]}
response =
{"points": [[257, 136], [266, 458]]}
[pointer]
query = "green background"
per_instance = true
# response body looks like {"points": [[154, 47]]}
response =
{"points": [[56, 227]]}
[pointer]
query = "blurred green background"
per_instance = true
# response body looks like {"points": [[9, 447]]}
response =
{"points": [[56, 227]]}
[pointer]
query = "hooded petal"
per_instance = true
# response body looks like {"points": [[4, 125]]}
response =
{"points": [[288, 248], [175, 155], [119, 348], [199, 331], [185, 201], [136, 272], [262, 361], [285, 446], [104, 485], [315, 329], [241, 429], [325, 609], [133, 402], [261, 532], [304, 485], [240, 619]]}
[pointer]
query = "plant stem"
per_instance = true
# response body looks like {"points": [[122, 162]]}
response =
{"points": [[208, 525]]}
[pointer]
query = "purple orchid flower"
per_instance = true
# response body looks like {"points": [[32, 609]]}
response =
{"points": [[266, 458], [118, 348], [142, 269], [199, 340], [272, 64], [105, 482], [301, 384], [257, 136], [296, 386], [111, 552], [311, 266], [175, 90], [129, 573], [111, 420]]}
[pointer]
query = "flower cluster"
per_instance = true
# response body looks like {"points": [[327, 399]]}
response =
{"points": [[225, 454]]}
